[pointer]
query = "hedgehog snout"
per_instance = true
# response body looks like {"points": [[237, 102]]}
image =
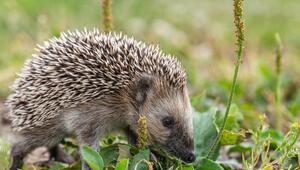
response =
{"points": [[181, 146], [189, 157]]}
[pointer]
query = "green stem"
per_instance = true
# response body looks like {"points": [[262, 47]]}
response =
{"points": [[278, 83], [278, 104], [107, 15], [233, 87], [239, 25]]}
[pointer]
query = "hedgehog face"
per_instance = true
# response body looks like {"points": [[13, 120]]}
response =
{"points": [[169, 117]]}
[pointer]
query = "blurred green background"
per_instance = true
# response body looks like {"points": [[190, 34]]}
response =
{"points": [[198, 32]]}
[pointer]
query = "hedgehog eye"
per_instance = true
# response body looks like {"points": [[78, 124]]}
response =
{"points": [[168, 122]]}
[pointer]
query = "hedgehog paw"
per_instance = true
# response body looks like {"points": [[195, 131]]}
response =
{"points": [[58, 154]]}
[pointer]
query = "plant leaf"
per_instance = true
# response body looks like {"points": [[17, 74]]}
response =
{"points": [[122, 165], [110, 154], [187, 167], [240, 148], [141, 155], [276, 136], [233, 121], [205, 132], [232, 138], [58, 166], [92, 158], [75, 166], [207, 164], [142, 165]]}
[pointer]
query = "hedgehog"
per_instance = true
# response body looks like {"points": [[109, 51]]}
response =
{"points": [[86, 84]]}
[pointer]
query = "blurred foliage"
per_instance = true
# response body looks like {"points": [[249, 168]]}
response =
{"points": [[4, 154], [200, 34]]}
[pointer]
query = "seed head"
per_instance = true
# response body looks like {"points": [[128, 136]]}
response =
{"points": [[238, 22], [279, 50], [142, 133]]}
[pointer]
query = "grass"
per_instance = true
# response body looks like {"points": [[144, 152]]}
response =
{"points": [[200, 34]]}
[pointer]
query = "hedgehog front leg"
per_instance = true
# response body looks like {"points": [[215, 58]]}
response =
{"points": [[17, 159], [58, 153], [18, 152], [87, 137], [131, 136]]}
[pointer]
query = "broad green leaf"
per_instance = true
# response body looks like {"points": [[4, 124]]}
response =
{"points": [[231, 134], [142, 155], [58, 166], [122, 165], [187, 167], [233, 120], [142, 165], [205, 132], [92, 158], [232, 138], [240, 148], [207, 164], [276, 137], [110, 154], [75, 166]]}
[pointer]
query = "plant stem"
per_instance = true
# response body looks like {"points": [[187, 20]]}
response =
{"points": [[107, 15], [278, 83], [236, 70], [239, 25]]}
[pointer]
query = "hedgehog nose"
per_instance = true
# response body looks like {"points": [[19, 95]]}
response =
{"points": [[190, 157]]}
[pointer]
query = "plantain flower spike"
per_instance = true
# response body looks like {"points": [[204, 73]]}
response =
{"points": [[239, 25], [142, 133]]}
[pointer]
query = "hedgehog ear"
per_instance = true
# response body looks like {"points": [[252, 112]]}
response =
{"points": [[144, 86]]}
